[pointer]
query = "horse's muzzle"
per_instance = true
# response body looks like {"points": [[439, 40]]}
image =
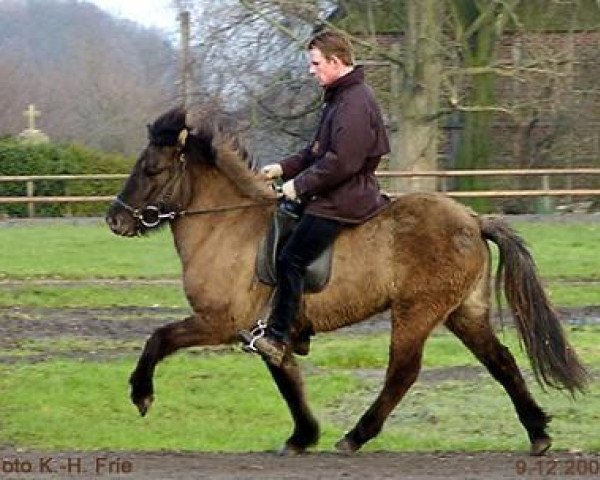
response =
{"points": [[121, 222]]}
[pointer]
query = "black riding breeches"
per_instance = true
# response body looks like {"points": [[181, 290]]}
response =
{"points": [[309, 239]]}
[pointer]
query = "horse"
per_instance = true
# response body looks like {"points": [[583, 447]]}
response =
{"points": [[426, 258]]}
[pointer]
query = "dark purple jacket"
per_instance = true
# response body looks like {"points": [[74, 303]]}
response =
{"points": [[334, 176]]}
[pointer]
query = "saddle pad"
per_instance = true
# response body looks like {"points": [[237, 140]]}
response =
{"points": [[318, 272]]}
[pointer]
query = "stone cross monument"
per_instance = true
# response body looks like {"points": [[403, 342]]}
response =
{"points": [[31, 113], [31, 134]]}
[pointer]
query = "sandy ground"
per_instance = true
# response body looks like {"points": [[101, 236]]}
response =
{"points": [[380, 465]]}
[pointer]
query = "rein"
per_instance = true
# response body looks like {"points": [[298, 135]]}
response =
{"points": [[150, 216]]}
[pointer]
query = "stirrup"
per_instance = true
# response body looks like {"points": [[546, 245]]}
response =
{"points": [[250, 337], [265, 347]]}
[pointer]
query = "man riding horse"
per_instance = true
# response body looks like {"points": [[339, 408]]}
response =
{"points": [[333, 178], [429, 261]]}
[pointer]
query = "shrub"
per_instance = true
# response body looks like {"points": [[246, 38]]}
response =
{"points": [[17, 158]]}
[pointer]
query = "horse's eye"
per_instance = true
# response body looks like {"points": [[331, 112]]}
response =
{"points": [[154, 169]]}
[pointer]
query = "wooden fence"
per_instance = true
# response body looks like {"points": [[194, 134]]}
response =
{"points": [[545, 189], [545, 175]]}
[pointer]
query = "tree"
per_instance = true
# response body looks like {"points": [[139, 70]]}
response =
{"points": [[485, 65], [417, 141], [97, 80]]}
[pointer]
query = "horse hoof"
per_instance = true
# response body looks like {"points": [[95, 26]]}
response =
{"points": [[346, 446], [144, 404], [540, 446], [290, 451]]}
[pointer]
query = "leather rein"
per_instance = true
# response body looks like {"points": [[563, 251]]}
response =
{"points": [[151, 216]]}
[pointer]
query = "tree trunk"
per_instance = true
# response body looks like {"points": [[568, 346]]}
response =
{"points": [[415, 145], [475, 149]]}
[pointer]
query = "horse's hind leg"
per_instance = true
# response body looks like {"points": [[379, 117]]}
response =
{"points": [[471, 325], [163, 342], [410, 328], [290, 384]]}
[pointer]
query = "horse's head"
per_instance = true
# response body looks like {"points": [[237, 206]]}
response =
{"points": [[159, 184]]}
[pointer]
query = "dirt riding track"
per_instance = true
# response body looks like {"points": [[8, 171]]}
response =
{"points": [[126, 465]]}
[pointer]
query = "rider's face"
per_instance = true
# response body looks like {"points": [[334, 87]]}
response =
{"points": [[325, 71]]}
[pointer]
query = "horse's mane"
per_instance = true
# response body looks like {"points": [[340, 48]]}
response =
{"points": [[213, 141]]}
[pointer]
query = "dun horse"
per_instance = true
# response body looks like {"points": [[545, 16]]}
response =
{"points": [[425, 258]]}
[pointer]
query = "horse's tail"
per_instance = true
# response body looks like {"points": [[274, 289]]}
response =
{"points": [[553, 360]]}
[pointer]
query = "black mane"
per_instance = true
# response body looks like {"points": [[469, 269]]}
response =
{"points": [[166, 128], [206, 136]]}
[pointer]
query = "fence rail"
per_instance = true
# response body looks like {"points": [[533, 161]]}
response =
{"points": [[544, 191], [31, 199], [543, 173], [491, 173]]}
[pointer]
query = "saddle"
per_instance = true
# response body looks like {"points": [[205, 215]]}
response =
{"points": [[285, 219]]}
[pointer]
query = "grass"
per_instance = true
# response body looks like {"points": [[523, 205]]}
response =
{"points": [[227, 401], [567, 251], [574, 295], [68, 345], [97, 296], [80, 252], [211, 403], [442, 349], [84, 251], [93, 296], [92, 251]]}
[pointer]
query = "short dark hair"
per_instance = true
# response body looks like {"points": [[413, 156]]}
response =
{"points": [[332, 44]]}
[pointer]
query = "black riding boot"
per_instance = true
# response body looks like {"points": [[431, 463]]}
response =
{"points": [[309, 239]]}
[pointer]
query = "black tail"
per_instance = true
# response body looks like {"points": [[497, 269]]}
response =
{"points": [[553, 360]]}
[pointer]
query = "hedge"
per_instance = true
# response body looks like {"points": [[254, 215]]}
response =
{"points": [[18, 158]]}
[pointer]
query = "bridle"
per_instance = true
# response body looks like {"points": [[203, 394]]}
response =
{"points": [[151, 215]]}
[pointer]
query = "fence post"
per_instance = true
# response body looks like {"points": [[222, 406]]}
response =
{"points": [[30, 205], [443, 184], [545, 204], [68, 212]]}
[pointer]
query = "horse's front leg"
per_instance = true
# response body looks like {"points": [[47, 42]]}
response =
{"points": [[192, 331]]}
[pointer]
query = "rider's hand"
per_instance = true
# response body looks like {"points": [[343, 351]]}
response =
{"points": [[272, 171], [288, 190]]}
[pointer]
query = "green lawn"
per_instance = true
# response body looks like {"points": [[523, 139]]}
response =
{"points": [[227, 402], [93, 296], [92, 251], [77, 398], [84, 251], [568, 251], [563, 253]]}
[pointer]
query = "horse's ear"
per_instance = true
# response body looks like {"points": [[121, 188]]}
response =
{"points": [[182, 138]]}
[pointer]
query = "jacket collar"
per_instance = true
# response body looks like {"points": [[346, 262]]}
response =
{"points": [[357, 75]]}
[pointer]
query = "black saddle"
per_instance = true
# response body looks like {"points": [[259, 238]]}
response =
{"points": [[284, 221]]}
